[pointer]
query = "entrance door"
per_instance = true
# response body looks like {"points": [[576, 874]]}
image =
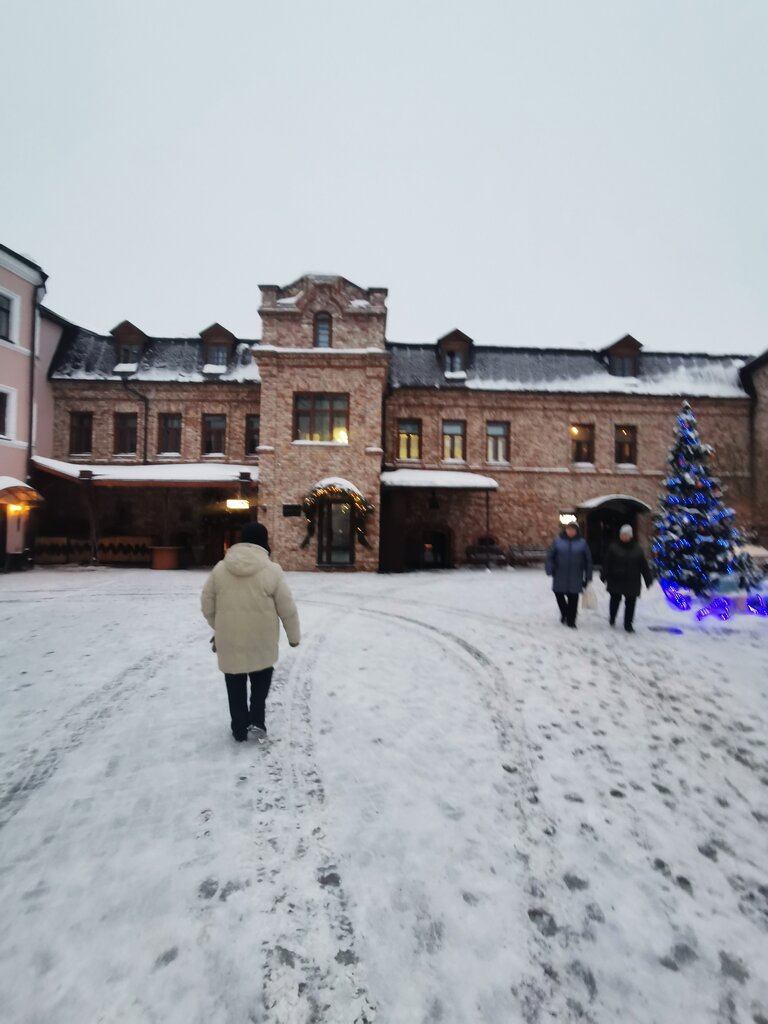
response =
{"points": [[335, 544]]}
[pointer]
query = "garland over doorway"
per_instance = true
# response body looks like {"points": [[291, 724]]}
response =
{"points": [[336, 487]]}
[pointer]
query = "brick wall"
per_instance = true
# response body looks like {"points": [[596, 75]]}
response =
{"points": [[105, 398], [540, 479], [288, 470], [359, 315]]}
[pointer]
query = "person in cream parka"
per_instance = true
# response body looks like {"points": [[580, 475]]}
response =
{"points": [[244, 600]]}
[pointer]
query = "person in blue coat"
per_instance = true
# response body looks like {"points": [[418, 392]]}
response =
{"points": [[569, 563]]}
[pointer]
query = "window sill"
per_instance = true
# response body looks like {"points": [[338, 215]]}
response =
{"points": [[453, 462], [323, 444], [626, 467], [213, 456], [169, 455], [584, 467]]}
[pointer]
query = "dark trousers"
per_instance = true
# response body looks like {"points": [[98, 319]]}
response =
{"points": [[629, 608], [237, 691], [569, 606]]}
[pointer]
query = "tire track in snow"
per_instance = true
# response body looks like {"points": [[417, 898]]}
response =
{"points": [[310, 966], [549, 993], [91, 713]]}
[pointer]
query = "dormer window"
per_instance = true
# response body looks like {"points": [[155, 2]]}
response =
{"points": [[129, 353], [454, 362], [216, 355], [622, 365], [322, 335]]}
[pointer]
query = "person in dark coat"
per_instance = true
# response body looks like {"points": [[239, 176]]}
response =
{"points": [[624, 566], [569, 563]]}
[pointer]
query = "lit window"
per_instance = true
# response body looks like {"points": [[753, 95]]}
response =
{"points": [[582, 442], [409, 439], [453, 439], [322, 337], [321, 417], [625, 437], [497, 441]]}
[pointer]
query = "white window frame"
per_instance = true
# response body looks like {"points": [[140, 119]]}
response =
{"points": [[10, 414], [15, 326]]}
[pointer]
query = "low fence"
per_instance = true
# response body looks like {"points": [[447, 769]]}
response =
{"points": [[110, 550]]}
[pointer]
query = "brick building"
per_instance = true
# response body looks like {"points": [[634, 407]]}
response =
{"points": [[359, 452]]}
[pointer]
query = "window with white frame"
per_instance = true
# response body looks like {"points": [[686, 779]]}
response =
{"points": [[497, 441], [5, 414], [453, 440], [9, 317], [6, 307]]}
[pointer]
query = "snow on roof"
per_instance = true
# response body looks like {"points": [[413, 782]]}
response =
{"points": [[604, 498], [444, 479], [571, 371], [16, 491], [173, 472], [87, 356], [289, 300], [336, 481]]}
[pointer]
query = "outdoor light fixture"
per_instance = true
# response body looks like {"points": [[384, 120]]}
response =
{"points": [[15, 510], [238, 503]]}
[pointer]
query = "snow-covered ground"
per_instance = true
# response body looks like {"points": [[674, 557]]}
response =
{"points": [[465, 813]]}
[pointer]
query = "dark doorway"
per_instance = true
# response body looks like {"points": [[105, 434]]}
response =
{"points": [[435, 549], [334, 532], [604, 523]]}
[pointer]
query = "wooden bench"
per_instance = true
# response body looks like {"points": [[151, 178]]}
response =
{"points": [[485, 554], [526, 554]]}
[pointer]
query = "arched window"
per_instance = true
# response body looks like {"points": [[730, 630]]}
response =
{"points": [[322, 330]]}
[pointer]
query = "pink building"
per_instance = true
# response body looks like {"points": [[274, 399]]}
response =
{"points": [[26, 402]]}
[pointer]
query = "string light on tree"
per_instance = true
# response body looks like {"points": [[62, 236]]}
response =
{"points": [[695, 536]]}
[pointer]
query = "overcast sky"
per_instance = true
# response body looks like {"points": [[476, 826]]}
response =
{"points": [[548, 172]]}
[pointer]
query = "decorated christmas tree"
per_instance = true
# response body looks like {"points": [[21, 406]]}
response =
{"points": [[695, 537]]}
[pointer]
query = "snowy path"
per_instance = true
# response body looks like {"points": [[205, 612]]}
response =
{"points": [[465, 813]]}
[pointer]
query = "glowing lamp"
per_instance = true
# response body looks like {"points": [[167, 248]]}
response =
{"points": [[238, 503], [15, 510]]}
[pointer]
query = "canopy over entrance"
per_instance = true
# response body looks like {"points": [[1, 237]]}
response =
{"points": [[174, 474], [614, 503], [438, 480], [16, 492]]}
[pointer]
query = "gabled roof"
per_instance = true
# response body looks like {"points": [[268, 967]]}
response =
{"points": [[747, 371]]}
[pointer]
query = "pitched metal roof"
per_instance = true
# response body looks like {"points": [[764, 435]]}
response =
{"points": [[83, 355], [568, 371]]}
